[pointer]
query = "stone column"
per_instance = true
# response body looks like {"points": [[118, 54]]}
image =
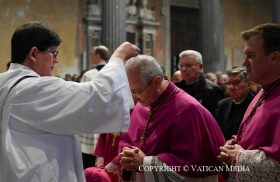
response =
{"points": [[212, 35], [275, 11], [113, 23], [166, 37]]}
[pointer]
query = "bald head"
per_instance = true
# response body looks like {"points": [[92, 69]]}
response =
{"points": [[177, 77], [100, 54]]}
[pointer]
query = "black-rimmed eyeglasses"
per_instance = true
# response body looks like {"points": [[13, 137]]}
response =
{"points": [[181, 66], [137, 94], [53, 52]]}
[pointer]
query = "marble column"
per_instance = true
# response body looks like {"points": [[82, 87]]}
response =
{"points": [[276, 11], [212, 35], [166, 37], [113, 23]]}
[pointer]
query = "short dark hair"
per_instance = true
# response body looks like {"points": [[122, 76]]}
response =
{"points": [[103, 52], [270, 32], [32, 34], [239, 71]]}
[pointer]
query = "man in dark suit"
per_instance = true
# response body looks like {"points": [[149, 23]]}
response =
{"points": [[230, 110], [194, 82]]}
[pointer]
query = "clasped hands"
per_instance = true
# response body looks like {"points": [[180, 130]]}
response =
{"points": [[229, 152], [131, 158]]}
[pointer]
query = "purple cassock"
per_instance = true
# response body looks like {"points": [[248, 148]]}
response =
{"points": [[263, 130], [107, 146], [180, 132], [96, 174]]}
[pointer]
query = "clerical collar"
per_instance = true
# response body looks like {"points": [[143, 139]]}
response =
{"points": [[170, 87], [195, 81], [267, 87], [240, 102], [100, 66]]}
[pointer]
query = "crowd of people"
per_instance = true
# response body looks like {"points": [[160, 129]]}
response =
{"points": [[123, 120]]}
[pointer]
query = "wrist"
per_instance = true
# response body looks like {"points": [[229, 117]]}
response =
{"points": [[120, 55], [235, 158]]}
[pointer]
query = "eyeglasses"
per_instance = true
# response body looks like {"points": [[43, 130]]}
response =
{"points": [[181, 66], [137, 94], [53, 52], [233, 83]]}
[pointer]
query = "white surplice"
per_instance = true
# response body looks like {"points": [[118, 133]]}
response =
{"points": [[41, 116]]}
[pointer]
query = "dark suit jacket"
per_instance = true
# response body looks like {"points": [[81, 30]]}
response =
{"points": [[230, 115], [205, 91]]}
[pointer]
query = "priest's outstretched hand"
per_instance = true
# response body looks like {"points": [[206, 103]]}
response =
{"points": [[126, 51]]}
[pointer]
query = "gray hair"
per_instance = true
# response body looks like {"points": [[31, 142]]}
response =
{"points": [[197, 55], [148, 66], [239, 71]]}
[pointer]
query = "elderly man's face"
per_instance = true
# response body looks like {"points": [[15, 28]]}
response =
{"points": [[237, 88], [141, 91], [190, 69]]}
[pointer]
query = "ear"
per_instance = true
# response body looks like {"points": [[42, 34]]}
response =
{"points": [[32, 54], [201, 66], [276, 57], [157, 81]]}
